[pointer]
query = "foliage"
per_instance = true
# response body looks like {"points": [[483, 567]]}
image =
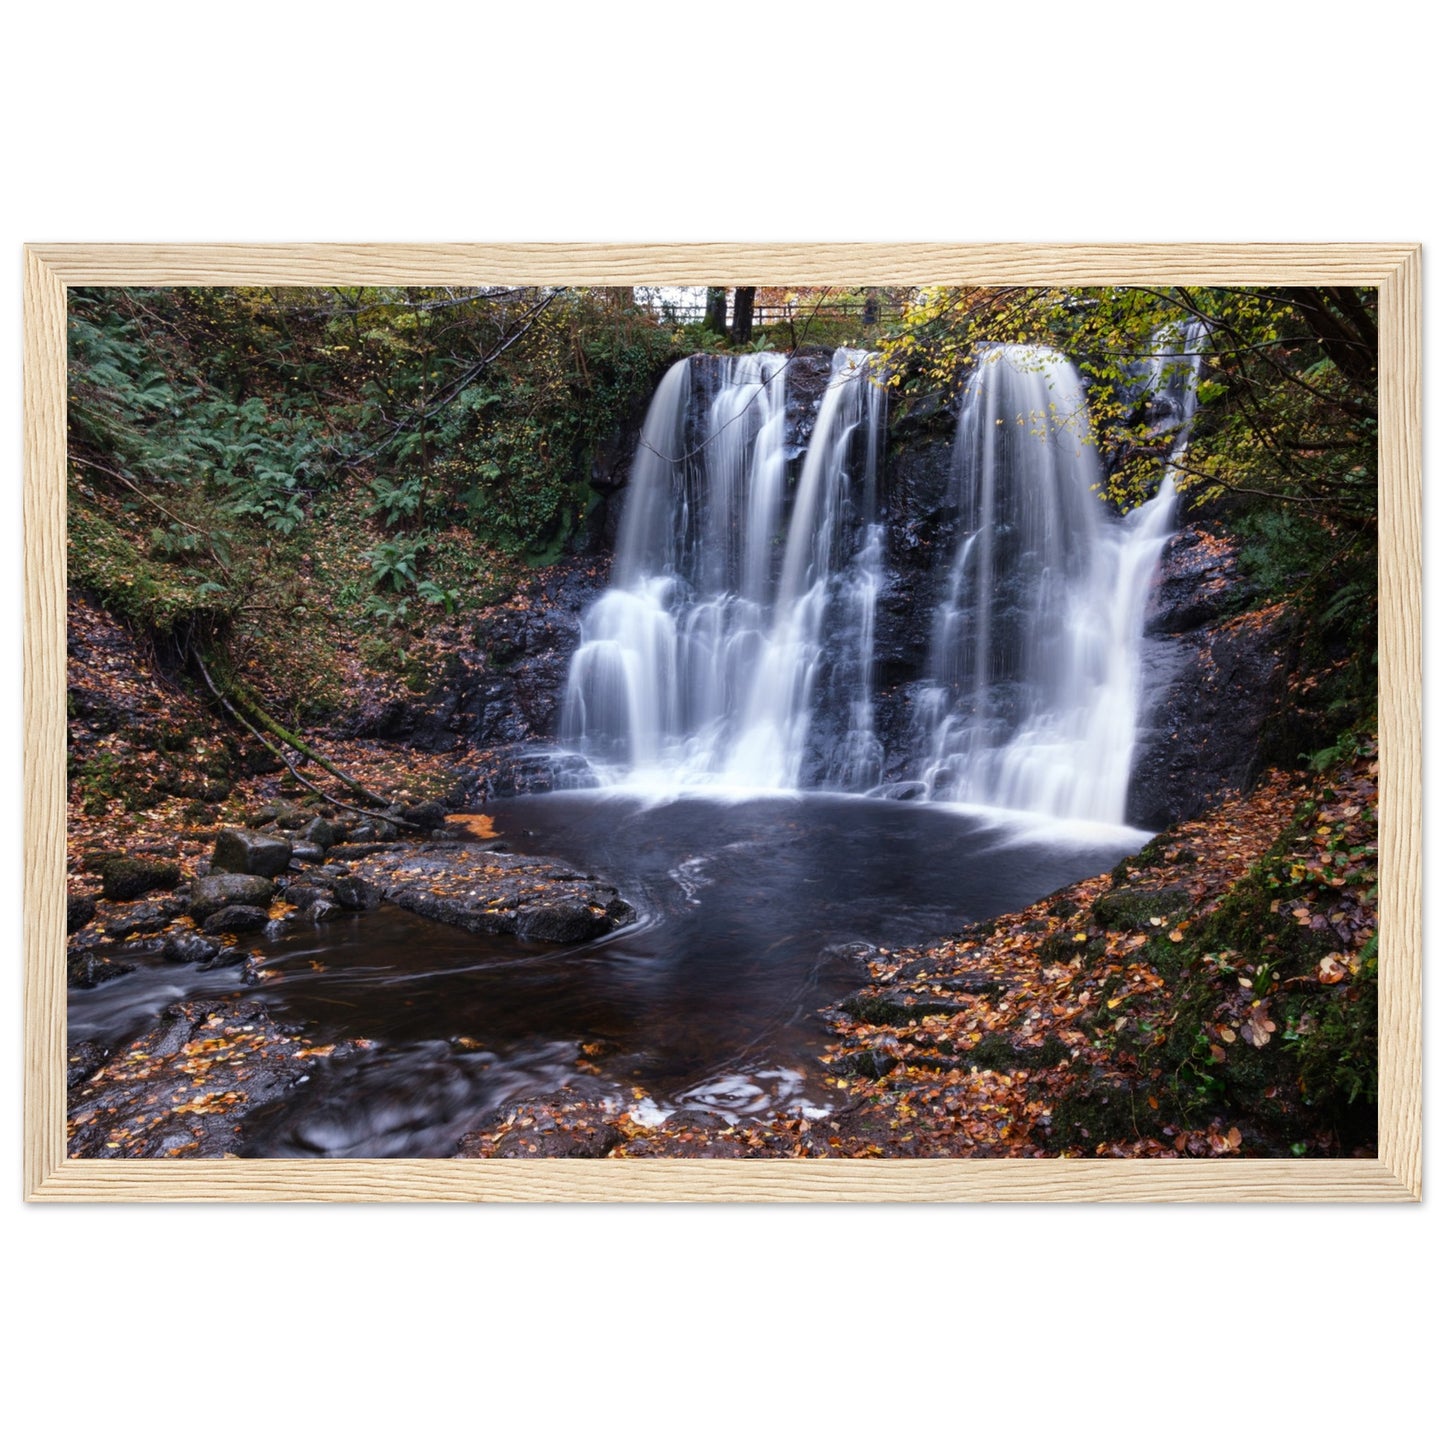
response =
{"points": [[220, 440], [1284, 436]]}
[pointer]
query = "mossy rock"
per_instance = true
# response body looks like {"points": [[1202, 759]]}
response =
{"points": [[1127, 908], [1091, 1112], [896, 1006], [124, 879], [1059, 946]]}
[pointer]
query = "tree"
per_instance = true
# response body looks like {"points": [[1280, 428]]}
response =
{"points": [[742, 332], [715, 317]]}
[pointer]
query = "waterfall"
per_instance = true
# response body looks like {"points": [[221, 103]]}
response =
{"points": [[1034, 687], [735, 646], [739, 610]]}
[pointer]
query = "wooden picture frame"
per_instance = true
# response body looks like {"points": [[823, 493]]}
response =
{"points": [[1394, 1175]]}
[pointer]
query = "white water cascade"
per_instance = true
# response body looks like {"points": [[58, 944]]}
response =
{"points": [[1034, 693], [737, 609]]}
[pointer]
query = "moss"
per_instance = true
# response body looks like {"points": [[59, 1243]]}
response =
{"points": [[1058, 946], [1091, 1111], [1000, 1053], [1134, 907], [123, 879]]}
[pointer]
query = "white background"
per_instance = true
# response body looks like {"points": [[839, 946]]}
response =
{"points": [[900, 121]]}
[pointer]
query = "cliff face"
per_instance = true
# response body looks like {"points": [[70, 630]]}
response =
{"points": [[1214, 675]]}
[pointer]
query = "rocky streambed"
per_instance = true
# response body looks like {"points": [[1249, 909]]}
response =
{"points": [[173, 1039]]}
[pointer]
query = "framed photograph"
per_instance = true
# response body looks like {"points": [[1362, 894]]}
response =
{"points": [[718, 722]]}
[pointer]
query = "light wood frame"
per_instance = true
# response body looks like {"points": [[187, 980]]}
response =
{"points": [[1394, 1175]]}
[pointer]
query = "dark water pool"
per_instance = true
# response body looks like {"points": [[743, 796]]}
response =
{"points": [[709, 1000]]}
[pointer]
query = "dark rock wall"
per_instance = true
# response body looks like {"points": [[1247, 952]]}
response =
{"points": [[1214, 674]]}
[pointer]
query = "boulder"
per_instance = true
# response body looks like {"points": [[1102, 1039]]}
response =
{"points": [[190, 948], [143, 918], [540, 899], [1127, 908], [226, 958], [426, 815], [565, 920], [321, 831], [356, 894], [241, 850], [122, 879], [79, 910], [86, 970], [237, 918], [303, 895], [219, 890], [304, 852]]}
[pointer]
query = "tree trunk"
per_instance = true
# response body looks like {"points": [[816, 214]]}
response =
{"points": [[716, 316], [743, 314]]}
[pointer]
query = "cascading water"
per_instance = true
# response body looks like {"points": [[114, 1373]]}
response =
{"points": [[734, 613], [735, 646], [1035, 667]]}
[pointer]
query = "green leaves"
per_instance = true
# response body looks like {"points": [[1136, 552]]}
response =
{"points": [[395, 500], [394, 563]]}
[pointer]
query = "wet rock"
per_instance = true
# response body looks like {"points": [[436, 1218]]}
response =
{"points": [[570, 920], [182, 1088], [373, 831], [79, 910], [1128, 908], [84, 969], [512, 772], [122, 879], [241, 850], [426, 815], [505, 893], [320, 831], [82, 1060], [1214, 676], [145, 917], [357, 850], [555, 1126], [896, 1005], [219, 890], [303, 895], [189, 947], [355, 894], [306, 853], [866, 1064], [225, 958], [237, 918]]}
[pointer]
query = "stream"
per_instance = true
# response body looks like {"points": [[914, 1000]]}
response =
{"points": [[710, 1000]]}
